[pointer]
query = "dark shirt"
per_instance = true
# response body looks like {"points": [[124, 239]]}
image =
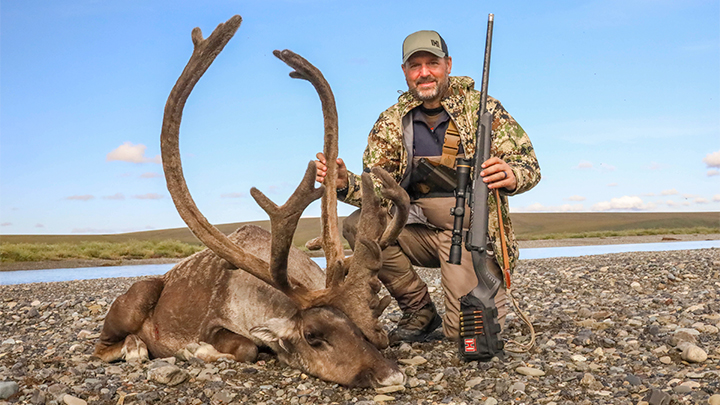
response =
{"points": [[429, 133]]}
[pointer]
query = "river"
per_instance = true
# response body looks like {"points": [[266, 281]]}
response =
{"points": [[87, 273]]}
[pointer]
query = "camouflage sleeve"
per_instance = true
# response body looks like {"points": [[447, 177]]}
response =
{"points": [[512, 144], [384, 149]]}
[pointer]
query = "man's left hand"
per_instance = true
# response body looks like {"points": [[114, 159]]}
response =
{"points": [[498, 174]]}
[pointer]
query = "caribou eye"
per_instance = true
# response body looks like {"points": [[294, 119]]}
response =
{"points": [[314, 339]]}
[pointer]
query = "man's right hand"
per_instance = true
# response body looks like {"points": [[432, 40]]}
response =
{"points": [[342, 173]]}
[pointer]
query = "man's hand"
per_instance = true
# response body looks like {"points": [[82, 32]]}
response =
{"points": [[321, 165], [498, 174]]}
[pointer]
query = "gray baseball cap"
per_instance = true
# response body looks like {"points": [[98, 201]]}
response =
{"points": [[428, 41]]}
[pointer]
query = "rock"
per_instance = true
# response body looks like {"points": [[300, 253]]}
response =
{"points": [[587, 379], [8, 389], [636, 286], [491, 401], [168, 374], [415, 361], [682, 336], [517, 387], [71, 400], [657, 397], [714, 400], [383, 398], [665, 360], [473, 382], [578, 358], [390, 388], [530, 371], [681, 389], [694, 354], [633, 379]]}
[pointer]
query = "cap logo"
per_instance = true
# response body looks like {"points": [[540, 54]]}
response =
{"points": [[435, 43]]}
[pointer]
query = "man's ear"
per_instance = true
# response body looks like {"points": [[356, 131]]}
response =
{"points": [[449, 63], [275, 330]]}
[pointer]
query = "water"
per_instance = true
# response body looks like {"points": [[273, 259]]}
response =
{"points": [[88, 273]]}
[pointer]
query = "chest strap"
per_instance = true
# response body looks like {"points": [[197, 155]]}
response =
{"points": [[450, 146]]}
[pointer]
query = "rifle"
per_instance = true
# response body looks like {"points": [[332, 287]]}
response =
{"points": [[479, 328]]}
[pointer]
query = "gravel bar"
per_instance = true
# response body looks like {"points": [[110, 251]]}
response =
{"points": [[630, 328]]}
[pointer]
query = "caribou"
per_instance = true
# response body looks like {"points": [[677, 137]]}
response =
{"points": [[253, 289]]}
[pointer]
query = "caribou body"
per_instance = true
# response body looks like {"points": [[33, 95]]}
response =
{"points": [[253, 288]]}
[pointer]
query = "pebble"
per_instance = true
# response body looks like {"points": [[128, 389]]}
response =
{"points": [[530, 371], [415, 361], [8, 389], [71, 400], [694, 354], [614, 356]]}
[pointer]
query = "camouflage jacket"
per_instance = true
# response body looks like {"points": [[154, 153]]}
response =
{"points": [[390, 147]]}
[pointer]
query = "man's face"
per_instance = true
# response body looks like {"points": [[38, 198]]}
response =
{"points": [[427, 75]]}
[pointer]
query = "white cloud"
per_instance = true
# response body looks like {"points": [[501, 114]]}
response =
{"points": [[656, 166], [672, 191], [575, 198], [148, 196], [232, 195], [608, 167], [150, 175], [712, 159], [86, 197], [713, 172], [584, 164], [716, 197], [116, 196], [39, 226], [6, 224], [690, 195], [537, 207], [612, 185], [701, 200], [631, 203], [128, 152]]}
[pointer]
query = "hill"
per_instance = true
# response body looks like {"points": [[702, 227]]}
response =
{"points": [[527, 226]]}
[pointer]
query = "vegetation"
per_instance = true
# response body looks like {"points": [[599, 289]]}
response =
{"points": [[134, 249], [180, 242], [700, 230]]}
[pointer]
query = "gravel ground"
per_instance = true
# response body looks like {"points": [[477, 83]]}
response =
{"points": [[626, 328]]}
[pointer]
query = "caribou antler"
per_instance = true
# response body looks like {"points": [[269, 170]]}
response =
{"points": [[331, 242], [352, 293], [204, 53]]}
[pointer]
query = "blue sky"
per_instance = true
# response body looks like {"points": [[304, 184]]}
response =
{"points": [[621, 100]]}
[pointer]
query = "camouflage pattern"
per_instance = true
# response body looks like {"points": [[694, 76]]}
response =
{"points": [[462, 102]]}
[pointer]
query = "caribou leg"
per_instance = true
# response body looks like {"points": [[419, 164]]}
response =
{"points": [[126, 317], [239, 347]]}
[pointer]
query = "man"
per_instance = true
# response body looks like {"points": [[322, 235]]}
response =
{"points": [[425, 124]]}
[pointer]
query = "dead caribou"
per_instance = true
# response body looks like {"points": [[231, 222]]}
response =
{"points": [[254, 288]]}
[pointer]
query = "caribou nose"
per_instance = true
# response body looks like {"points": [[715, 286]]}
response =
{"points": [[395, 378]]}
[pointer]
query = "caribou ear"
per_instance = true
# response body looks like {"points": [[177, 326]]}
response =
{"points": [[275, 330]]}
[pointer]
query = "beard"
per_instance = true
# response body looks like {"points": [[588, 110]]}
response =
{"points": [[441, 86]]}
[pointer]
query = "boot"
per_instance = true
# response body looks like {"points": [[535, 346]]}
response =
{"points": [[416, 326]]}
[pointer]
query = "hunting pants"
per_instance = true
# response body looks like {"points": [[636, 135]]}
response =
{"points": [[421, 246]]}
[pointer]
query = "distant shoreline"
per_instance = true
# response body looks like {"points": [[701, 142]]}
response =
{"points": [[528, 244]]}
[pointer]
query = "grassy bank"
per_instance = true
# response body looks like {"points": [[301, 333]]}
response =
{"points": [[180, 242], [699, 230], [134, 249]]}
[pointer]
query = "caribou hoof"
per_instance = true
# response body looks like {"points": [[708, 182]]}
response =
{"points": [[134, 350]]}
